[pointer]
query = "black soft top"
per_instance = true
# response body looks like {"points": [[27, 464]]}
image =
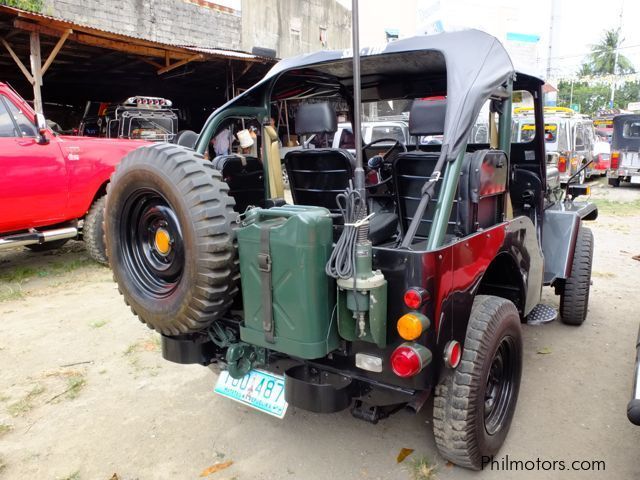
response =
{"points": [[467, 66], [626, 138]]}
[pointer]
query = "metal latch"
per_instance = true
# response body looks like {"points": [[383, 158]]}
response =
{"points": [[264, 262]]}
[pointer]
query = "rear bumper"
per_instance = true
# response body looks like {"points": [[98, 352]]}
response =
{"points": [[633, 408], [623, 173]]}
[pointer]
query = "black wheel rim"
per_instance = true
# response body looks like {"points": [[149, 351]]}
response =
{"points": [[151, 243], [500, 387]]}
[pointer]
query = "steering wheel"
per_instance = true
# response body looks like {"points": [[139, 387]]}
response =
{"points": [[379, 165], [376, 162]]}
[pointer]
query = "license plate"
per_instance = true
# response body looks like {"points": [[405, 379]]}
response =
{"points": [[635, 179], [258, 389]]}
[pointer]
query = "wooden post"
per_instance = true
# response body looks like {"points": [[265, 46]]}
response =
{"points": [[36, 71]]}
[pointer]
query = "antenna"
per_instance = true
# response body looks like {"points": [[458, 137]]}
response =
{"points": [[358, 176]]}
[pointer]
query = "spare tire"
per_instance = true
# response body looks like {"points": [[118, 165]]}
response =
{"points": [[169, 232]]}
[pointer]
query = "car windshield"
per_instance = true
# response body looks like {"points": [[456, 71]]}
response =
{"points": [[151, 128], [379, 132], [528, 131]]}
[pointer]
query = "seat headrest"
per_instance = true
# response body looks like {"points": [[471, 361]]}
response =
{"points": [[315, 118], [427, 117]]}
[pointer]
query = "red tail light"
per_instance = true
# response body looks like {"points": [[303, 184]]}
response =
{"points": [[615, 160], [562, 164], [409, 359], [415, 297], [453, 353]]}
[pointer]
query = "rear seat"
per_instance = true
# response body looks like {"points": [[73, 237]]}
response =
{"points": [[480, 197]]}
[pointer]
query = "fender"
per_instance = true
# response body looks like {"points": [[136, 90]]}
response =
{"points": [[560, 226]]}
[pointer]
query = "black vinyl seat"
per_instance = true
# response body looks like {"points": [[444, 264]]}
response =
{"points": [[318, 175], [245, 177], [412, 169], [480, 197]]}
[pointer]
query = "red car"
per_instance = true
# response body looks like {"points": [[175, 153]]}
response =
{"points": [[52, 187]]}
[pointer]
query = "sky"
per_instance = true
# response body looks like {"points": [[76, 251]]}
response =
{"points": [[578, 25]]}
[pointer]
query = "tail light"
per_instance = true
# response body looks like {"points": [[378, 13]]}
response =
{"points": [[453, 353], [562, 164], [415, 297], [409, 359], [615, 160], [411, 325]]}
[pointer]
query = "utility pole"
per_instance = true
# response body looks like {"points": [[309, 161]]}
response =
{"points": [[615, 61], [551, 21]]}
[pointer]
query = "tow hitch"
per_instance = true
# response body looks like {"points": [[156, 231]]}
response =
{"points": [[373, 413]]}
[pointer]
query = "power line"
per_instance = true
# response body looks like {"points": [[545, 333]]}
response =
{"points": [[593, 51]]}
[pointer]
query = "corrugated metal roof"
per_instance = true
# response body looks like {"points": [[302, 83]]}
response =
{"points": [[213, 52]]}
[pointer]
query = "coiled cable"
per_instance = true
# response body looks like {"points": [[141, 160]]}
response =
{"points": [[342, 262]]}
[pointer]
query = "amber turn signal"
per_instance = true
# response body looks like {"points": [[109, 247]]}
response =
{"points": [[411, 325]]}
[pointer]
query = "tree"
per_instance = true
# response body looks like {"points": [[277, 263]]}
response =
{"points": [[592, 98], [602, 59]]}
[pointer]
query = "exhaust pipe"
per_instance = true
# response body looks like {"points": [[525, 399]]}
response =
{"points": [[32, 238]]}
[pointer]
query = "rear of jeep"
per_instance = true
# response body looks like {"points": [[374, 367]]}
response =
{"points": [[625, 150], [369, 296]]}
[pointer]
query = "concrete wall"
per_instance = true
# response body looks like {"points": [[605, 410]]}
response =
{"points": [[177, 22], [291, 27]]}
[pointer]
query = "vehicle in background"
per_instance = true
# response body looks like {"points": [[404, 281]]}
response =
{"points": [[601, 156], [604, 127], [137, 118], [52, 187], [625, 150], [569, 139]]}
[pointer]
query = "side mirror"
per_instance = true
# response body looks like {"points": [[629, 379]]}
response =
{"points": [[41, 125]]}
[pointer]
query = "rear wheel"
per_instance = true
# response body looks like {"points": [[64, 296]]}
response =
{"points": [[614, 182], [582, 176], [169, 229], [474, 404], [93, 231], [574, 299]]}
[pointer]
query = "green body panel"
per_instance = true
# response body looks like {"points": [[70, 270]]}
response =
{"points": [[362, 307], [375, 319], [303, 295], [504, 124]]}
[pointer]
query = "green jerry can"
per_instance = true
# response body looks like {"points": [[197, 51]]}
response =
{"points": [[289, 301]]}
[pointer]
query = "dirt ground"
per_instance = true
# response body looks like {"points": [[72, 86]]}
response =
{"points": [[85, 394]]}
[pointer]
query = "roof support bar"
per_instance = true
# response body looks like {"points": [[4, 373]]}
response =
{"points": [[56, 49], [180, 63], [23, 69]]}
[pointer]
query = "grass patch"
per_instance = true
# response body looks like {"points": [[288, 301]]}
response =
{"points": [[4, 429], [21, 273], [422, 469], [622, 209], [75, 385], [18, 274], [25, 404], [11, 292], [98, 323]]}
